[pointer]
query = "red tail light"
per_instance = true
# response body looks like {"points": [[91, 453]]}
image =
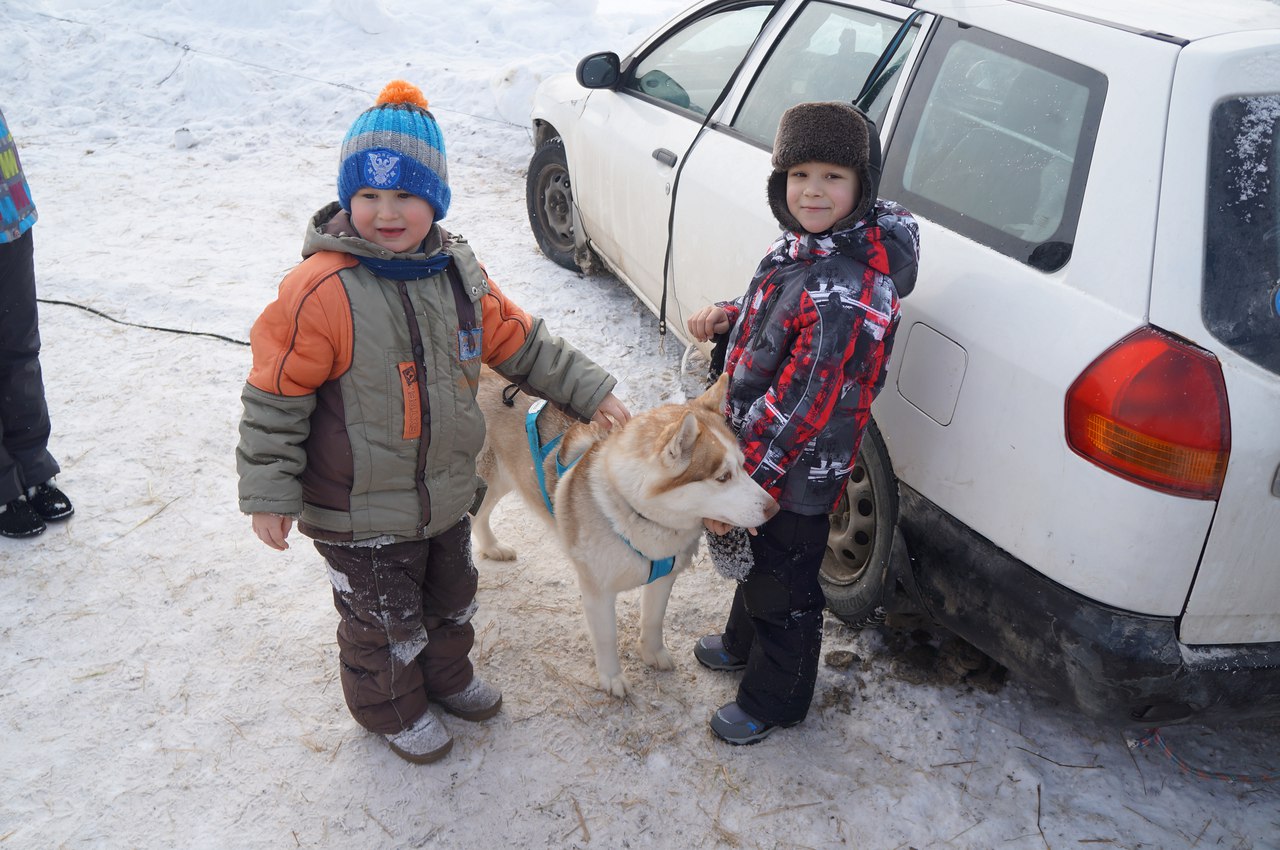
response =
{"points": [[1153, 409]]}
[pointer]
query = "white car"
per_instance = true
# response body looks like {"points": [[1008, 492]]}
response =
{"points": [[1075, 462]]}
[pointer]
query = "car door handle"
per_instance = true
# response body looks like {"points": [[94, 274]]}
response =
{"points": [[665, 157]]}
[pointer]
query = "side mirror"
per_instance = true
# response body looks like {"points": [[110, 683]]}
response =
{"points": [[599, 71]]}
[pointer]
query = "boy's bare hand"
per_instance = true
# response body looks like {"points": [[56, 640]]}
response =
{"points": [[272, 529], [708, 322], [611, 412], [720, 529]]}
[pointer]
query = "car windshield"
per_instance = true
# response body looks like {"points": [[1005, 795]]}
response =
{"points": [[691, 67], [825, 54], [1242, 241]]}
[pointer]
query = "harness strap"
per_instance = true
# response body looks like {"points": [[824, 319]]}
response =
{"points": [[539, 451], [469, 335], [658, 569]]}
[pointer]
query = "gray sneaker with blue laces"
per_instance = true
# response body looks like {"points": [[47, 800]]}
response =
{"points": [[734, 726], [711, 654]]}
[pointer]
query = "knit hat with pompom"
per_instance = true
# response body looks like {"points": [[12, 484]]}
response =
{"points": [[396, 144]]}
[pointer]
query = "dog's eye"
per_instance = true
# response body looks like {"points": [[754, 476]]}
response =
{"points": [[723, 478]]}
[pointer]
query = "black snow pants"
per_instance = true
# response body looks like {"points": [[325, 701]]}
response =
{"points": [[24, 416], [406, 627], [776, 619]]}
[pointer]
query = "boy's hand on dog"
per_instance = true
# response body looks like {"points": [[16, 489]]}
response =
{"points": [[708, 322], [611, 412], [720, 529], [272, 529]]}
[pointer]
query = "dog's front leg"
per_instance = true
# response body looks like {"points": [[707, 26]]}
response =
{"points": [[653, 609], [602, 624]]}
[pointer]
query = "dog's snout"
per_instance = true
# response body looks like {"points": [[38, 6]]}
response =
{"points": [[771, 509]]}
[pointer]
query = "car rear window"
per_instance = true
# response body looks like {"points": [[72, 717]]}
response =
{"points": [[995, 142], [1241, 301]]}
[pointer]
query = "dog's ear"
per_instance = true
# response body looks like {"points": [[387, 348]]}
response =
{"points": [[677, 449], [713, 398]]}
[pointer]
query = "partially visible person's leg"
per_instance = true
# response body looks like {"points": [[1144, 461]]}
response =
{"points": [[25, 462]]}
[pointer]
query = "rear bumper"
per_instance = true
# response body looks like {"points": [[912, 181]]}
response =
{"points": [[1114, 665]]}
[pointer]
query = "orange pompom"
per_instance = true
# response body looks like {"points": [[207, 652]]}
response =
{"points": [[400, 91]]}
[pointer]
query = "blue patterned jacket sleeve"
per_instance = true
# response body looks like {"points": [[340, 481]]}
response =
{"points": [[17, 210]]}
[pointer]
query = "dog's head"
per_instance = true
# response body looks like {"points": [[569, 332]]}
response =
{"points": [[697, 468]]}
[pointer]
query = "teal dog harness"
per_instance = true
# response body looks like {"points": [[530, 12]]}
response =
{"points": [[657, 569]]}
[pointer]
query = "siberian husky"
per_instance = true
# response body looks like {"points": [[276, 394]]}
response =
{"points": [[627, 504]]}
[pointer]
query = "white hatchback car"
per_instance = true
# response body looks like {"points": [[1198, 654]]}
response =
{"points": [[1075, 463]]}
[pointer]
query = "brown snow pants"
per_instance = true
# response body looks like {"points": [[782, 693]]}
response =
{"points": [[406, 624]]}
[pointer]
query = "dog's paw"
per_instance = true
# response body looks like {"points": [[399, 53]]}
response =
{"points": [[660, 660], [496, 552], [616, 685]]}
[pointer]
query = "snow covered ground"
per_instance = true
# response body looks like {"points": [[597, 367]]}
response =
{"points": [[167, 681]]}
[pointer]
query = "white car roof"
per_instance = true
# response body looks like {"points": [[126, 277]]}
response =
{"points": [[1187, 19]]}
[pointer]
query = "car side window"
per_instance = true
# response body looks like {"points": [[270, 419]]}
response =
{"points": [[995, 143], [1241, 301], [691, 66], [826, 53]]}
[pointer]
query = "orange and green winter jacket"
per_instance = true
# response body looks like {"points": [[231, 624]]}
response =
{"points": [[360, 415]]}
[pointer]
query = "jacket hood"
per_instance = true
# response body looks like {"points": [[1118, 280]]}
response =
{"points": [[900, 239], [330, 229]]}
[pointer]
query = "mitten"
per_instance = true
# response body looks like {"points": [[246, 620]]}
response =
{"points": [[731, 553]]}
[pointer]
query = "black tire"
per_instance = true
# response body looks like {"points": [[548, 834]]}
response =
{"points": [[855, 575], [549, 199]]}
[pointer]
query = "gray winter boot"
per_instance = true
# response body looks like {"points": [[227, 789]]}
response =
{"points": [[422, 743], [477, 701]]}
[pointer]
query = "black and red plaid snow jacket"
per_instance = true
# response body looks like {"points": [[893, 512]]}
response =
{"points": [[808, 352]]}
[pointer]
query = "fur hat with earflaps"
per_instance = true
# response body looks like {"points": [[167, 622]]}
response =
{"points": [[396, 144], [834, 132]]}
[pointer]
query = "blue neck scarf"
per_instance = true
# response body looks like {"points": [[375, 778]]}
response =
{"points": [[402, 269]]}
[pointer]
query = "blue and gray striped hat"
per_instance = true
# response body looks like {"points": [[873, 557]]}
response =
{"points": [[396, 144]]}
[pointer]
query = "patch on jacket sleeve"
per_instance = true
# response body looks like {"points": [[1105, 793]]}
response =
{"points": [[470, 343]]}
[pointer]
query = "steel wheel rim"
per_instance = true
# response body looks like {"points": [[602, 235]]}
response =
{"points": [[553, 185], [852, 537]]}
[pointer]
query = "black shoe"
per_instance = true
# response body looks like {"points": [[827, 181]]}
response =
{"points": [[51, 503], [711, 654], [734, 726], [19, 519]]}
